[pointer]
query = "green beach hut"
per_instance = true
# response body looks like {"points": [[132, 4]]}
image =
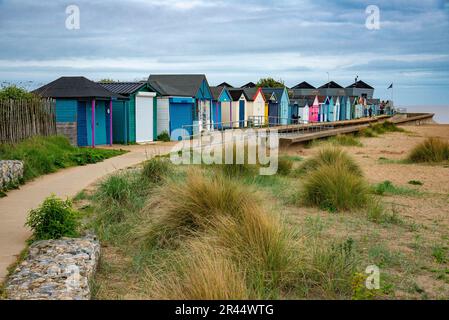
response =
{"points": [[136, 120]]}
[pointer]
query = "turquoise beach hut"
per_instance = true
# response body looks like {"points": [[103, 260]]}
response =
{"points": [[84, 110], [222, 102]]}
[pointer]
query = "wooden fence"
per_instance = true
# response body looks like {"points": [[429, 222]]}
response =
{"points": [[22, 119]]}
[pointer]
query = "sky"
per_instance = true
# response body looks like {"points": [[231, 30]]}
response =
{"points": [[236, 41]]}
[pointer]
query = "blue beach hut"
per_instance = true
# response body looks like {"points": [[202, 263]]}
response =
{"points": [[84, 110]]}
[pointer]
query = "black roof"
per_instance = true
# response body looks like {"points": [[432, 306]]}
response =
{"points": [[302, 100], [250, 93], [125, 88], [184, 85], [75, 87], [248, 85], [225, 84], [331, 85], [237, 93], [304, 85], [216, 92], [360, 85]]}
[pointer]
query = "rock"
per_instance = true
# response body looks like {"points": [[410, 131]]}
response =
{"points": [[56, 270], [11, 171]]}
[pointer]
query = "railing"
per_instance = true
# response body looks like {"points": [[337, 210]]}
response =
{"points": [[296, 126]]}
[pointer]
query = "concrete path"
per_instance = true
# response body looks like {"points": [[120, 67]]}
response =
{"points": [[65, 183]]}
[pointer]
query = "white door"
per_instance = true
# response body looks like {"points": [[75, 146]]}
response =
{"points": [[144, 119]]}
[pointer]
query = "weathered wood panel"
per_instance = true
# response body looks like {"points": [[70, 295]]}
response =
{"points": [[22, 119]]}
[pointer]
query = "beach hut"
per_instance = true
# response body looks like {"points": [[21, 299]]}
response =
{"points": [[300, 106], [273, 106], [322, 113], [336, 114], [222, 103], [278, 109], [330, 109], [255, 106], [136, 120], [343, 108], [238, 114], [314, 109], [183, 102], [84, 110]]}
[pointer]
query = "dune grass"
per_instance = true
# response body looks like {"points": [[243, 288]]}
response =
{"points": [[335, 188], [330, 156], [432, 150], [347, 140], [43, 155], [377, 129]]}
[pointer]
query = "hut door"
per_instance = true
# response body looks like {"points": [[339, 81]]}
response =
{"points": [[144, 119]]}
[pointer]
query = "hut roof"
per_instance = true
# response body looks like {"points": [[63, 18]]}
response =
{"points": [[184, 85], [75, 87]]}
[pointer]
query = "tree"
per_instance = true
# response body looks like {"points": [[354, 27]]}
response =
{"points": [[270, 83], [13, 92], [108, 81]]}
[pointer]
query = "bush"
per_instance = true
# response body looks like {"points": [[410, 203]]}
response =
{"points": [[164, 137], [54, 219], [431, 150], [330, 156], [335, 188], [156, 169]]}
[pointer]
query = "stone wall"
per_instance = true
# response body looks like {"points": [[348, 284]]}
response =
{"points": [[11, 171], [68, 129], [55, 270]]}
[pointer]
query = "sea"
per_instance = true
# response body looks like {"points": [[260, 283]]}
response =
{"points": [[441, 112]]}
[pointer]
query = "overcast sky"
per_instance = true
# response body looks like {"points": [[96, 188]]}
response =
{"points": [[233, 40]]}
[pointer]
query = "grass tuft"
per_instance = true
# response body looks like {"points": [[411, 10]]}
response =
{"points": [[335, 188], [388, 188], [156, 169], [432, 150], [330, 156]]}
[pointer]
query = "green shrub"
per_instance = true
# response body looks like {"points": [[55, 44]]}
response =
{"points": [[54, 219], [156, 169], [387, 187], [335, 188], [330, 156], [431, 150], [164, 137]]}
